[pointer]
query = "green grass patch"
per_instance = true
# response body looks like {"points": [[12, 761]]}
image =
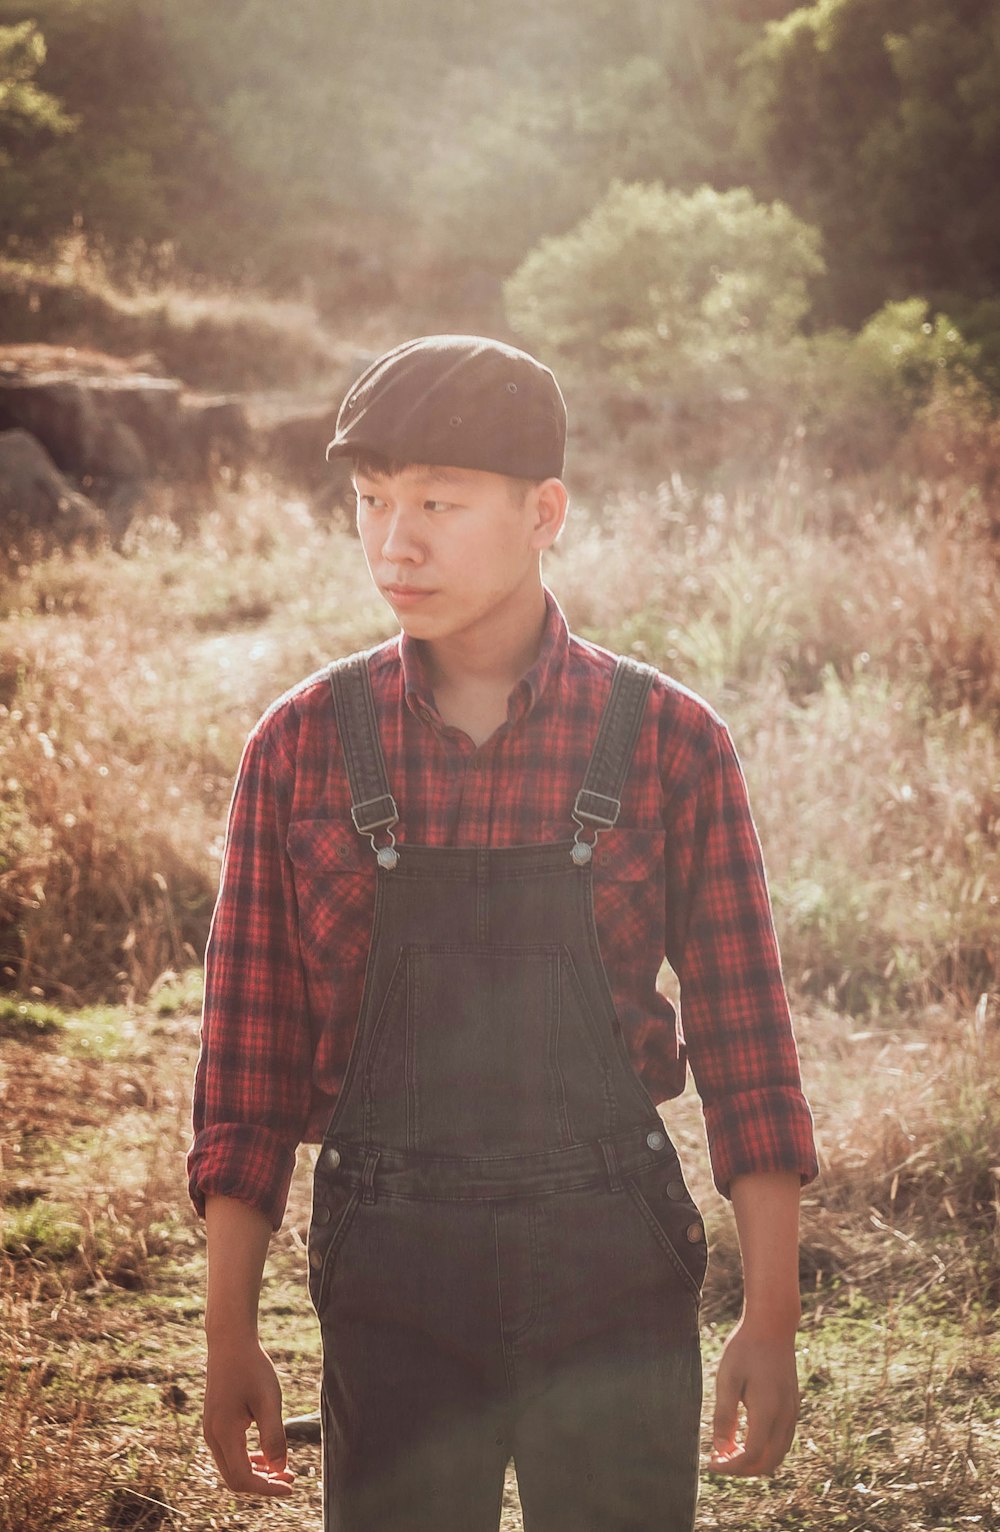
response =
{"points": [[178, 994], [26, 1019], [897, 1430], [42, 1231]]}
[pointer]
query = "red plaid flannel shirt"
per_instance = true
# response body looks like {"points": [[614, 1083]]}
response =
{"points": [[680, 875]]}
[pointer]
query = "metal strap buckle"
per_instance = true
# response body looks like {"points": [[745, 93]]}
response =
{"points": [[596, 809], [375, 814]]}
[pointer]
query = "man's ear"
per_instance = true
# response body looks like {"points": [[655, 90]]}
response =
{"points": [[549, 504]]}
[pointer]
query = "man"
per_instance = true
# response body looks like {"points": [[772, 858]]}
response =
{"points": [[453, 867]]}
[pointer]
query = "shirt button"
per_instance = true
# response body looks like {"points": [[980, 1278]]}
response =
{"points": [[656, 1139], [321, 1214], [331, 1159], [676, 1190], [315, 1259], [695, 1233]]}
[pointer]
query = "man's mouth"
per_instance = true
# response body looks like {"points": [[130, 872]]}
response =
{"points": [[405, 593]]}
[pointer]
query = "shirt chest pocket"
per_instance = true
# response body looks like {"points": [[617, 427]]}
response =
{"points": [[333, 871], [629, 894]]}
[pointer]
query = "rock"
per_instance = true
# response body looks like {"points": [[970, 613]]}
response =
{"points": [[216, 436], [101, 427], [112, 428], [38, 508], [294, 449]]}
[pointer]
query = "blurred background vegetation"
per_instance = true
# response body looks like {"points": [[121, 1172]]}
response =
{"points": [[760, 245], [326, 147]]}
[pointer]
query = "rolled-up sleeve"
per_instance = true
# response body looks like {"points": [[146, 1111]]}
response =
{"points": [[252, 1083], [722, 946]]}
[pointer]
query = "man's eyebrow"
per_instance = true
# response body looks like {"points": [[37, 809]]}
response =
{"points": [[420, 473], [444, 475]]}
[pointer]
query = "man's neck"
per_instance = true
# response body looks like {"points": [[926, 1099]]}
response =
{"points": [[489, 660]]}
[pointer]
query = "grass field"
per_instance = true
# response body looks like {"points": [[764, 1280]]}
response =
{"points": [[100, 1318], [849, 635]]}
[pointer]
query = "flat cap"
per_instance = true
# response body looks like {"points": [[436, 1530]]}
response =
{"points": [[460, 401]]}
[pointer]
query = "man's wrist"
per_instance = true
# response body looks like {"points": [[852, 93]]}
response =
{"points": [[771, 1319], [227, 1335]]}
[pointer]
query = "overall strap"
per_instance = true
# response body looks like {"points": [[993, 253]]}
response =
{"points": [[372, 805], [598, 803]]}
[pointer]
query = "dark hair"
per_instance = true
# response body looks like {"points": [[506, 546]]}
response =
{"points": [[373, 465]]}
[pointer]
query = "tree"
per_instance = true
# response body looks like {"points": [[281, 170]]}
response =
{"points": [[878, 121]]}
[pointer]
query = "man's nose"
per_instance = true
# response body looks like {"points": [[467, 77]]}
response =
{"points": [[401, 541]]}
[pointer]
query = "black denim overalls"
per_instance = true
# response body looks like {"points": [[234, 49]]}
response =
{"points": [[503, 1254]]}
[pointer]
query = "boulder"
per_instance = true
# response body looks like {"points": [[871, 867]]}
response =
{"points": [[39, 509], [109, 426], [216, 438], [103, 428], [293, 445], [294, 449]]}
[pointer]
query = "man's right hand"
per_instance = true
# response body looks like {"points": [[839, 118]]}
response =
{"points": [[241, 1389]]}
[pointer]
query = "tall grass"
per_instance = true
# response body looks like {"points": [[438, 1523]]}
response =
{"points": [[128, 681], [850, 638]]}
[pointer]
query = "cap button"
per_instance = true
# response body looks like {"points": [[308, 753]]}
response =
{"points": [[656, 1139], [695, 1233], [331, 1159]]}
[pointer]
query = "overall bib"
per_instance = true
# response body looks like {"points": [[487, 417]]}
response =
{"points": [[503, 1254]]}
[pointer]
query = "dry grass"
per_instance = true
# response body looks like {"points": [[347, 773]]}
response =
{"points": [[850, 640], [899, 1356], [127, 684], [213, 338]]}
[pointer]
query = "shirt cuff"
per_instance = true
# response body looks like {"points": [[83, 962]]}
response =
{"points": [[760, 1130], [235, 1159]]}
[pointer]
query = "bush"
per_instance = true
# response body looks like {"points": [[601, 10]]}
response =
{"points": [[680, 319], [668, 290]]}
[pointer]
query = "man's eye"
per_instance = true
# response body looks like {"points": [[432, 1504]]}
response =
{"points": [[437, 505], [371, 502]]}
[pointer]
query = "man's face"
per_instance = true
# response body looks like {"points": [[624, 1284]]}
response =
{"points": [[450, 549]]}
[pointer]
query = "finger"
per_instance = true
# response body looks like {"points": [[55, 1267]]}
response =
{"points": [[257, 1480], [725, 1420], [218, 1452], [260, 1465], [238, 1469], [273, 1447], [766, 1446]]}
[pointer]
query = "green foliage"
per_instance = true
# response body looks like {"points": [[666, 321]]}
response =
{"points": [[877, 119], [28, 1018], [680, 290], [178, 994], [45, 1231], [364, 146], [909, 351], [24, 108]]}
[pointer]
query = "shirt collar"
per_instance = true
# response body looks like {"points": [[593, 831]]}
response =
{"points": [[552, 652]]}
